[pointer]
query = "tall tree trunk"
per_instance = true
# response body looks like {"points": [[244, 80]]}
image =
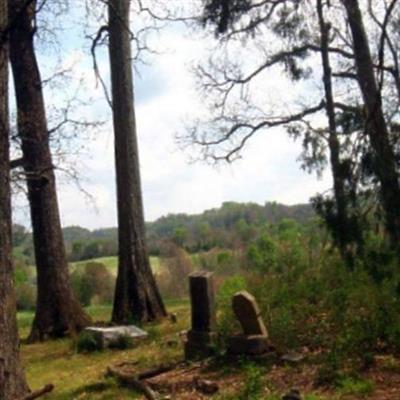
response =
{"points": [[343, 230], [57, 310], [136, 294], [384, 157], [12, 378]]}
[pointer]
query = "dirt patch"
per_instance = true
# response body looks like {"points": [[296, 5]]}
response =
{"points": [[192, 382]]}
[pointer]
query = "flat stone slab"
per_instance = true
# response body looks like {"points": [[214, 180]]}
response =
{"points": [[107, 335], [293, 358]]}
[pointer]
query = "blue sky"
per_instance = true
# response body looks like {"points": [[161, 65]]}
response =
{"points": [[166, 99]]}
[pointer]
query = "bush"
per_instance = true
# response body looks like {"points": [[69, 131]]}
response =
{"points": [[122, 342], [87, 343], [226, 321], [262, 255], [26, 296], [176, 266], [253, 386], [94, 282]]}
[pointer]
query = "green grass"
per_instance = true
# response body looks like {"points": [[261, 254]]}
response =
{"points": [[81, 376], [355, 386], [111, 264]]}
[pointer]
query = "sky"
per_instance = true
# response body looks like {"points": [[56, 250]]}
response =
{"points": [[166, 101]]}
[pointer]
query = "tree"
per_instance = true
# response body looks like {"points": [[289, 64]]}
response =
{"points": [[350, 138], [384, 159], [297, 41], [12, 379], [345, 229], [57, 311], [136, 294]]}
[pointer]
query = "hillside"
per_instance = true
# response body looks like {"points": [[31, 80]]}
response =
{"points": [[217, 227]]}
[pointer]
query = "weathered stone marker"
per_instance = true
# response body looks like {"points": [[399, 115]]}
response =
{"points": [[106, 336], [202, 298], [248, 314], [254, 339]]}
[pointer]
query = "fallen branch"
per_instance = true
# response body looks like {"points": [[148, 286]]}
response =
{"points": [[37, 393], [161, 369], [132, 380]]}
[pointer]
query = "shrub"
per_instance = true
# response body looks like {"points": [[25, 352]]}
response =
{"points": [[263, 254], [94, 282], [87, 343], [122, 342], [172, 279], [227, 322], [253, 383], [26, 296]]}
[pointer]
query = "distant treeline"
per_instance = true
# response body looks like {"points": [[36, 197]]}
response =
{"points": [[228, 226]]}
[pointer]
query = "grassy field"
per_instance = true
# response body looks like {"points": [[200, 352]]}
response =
{"points": [[112, 264], [81, 376]]}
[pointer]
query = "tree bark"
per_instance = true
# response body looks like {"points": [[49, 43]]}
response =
{"points": [[343, 230], [136, 294], [12, 377], [384, 157], [57, 310]]}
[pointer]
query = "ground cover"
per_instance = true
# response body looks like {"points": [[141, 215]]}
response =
{"points": [[81, 375]]}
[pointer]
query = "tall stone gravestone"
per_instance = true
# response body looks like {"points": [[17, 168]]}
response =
{"points": [[201, 336], [254, 339]]}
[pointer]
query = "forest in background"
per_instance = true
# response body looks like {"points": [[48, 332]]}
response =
{"points": [[223, 227], [178, 244]]}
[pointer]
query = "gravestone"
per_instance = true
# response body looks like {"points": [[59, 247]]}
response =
{"points": [[254, 340], [248, 314], [201, 336], [106, 336]]}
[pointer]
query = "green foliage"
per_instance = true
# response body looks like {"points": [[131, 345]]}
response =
{"points": [[24, 284], [227, 323], [263, 254], [122, 342], [224, 257], [228, 263], [231, 226], [280, 248], [364, 314], [87, 343], [176, 267], [355, 386], [21, 275], [26, 296], [253, 383], [328, 373], [93, 284], [180, 234]]}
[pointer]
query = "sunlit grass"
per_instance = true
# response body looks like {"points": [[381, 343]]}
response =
{"points": [[111, 263], [82, 375]]}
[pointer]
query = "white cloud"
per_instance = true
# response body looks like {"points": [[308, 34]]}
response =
{"points": [[165, 96]]}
